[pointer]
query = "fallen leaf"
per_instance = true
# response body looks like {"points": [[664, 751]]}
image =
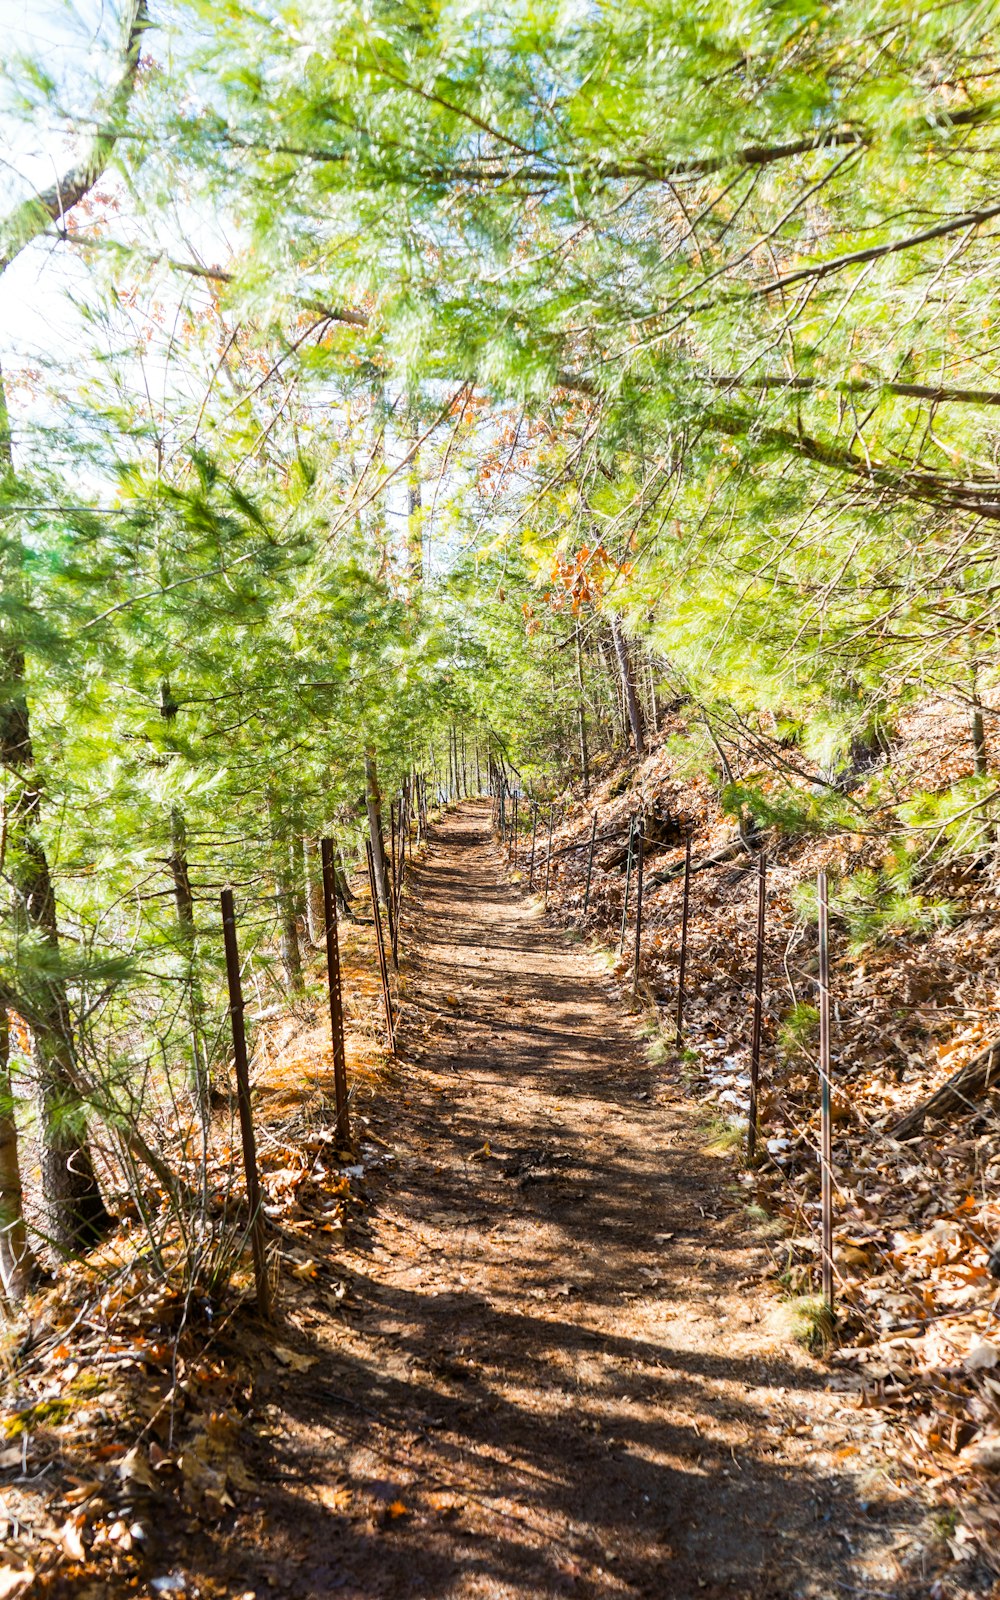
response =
{"points": [[134, 1468], [14, 1580], [292, 1358], [70, 1539], [982, 1354], [983, 1452]]}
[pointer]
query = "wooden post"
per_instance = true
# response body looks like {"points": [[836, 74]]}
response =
{"points": [[758, 1007], [826, 1131], [336, 995], [261, 1284], [682, 965], [383, 969]]}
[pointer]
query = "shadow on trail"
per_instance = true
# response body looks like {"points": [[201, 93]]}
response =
{"points": [[532, 1389]]}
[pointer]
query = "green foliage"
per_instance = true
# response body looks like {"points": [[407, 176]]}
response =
{"points": [[523, 320], [884, 904], [793, 812], [879, 904], [799, 1030]]}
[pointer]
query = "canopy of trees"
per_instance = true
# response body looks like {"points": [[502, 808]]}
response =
{"points": [[463, 372]]}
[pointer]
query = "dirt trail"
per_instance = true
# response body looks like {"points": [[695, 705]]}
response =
{"points": [[550, 1351]]}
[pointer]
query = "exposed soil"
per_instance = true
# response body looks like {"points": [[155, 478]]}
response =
{"points": [[553, 1369]]}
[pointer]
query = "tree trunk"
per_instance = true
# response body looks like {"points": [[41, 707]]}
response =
{"points": [[284, 882], [629, 695], [654, 720], [342, 888], [312, 878], [415, 522], [581, 709], [75, 1214], [373, 805], [16, 1261], [979, 755], [188, 936]]}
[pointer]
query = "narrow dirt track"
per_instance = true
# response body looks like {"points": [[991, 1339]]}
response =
{"points": [[550, 1352]]}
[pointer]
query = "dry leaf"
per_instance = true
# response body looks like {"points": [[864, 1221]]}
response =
{"points": [[69, 1538], [983, 1452], [982, 1355], [292, 1358], [134, 1468], [15, 1580]]}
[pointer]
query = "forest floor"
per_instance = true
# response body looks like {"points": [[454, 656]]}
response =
{"points": [[551, 1363]]}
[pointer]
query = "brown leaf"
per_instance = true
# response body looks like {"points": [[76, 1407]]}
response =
{"points": [[14, 1581]]}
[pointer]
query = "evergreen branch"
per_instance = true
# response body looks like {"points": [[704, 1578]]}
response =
{"points": [[875, 252], [196, 269], [980, 496], [935, 393], [31, 218]]}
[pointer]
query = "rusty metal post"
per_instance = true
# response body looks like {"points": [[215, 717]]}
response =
{"points": [[682, 965], [382, 967], [826, 1130], [513, 834], [628, 884], [590, 865], [404, 834], [261, 1284], [638, 905], [334, 987], [758, 1007], [534, 826], [548, 856], [390, 904]]}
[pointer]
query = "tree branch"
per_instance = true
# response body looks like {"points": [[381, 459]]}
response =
{"points": [[31, 218]]}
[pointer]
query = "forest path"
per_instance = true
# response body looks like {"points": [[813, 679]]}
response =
{"points": [[550, 1373]]}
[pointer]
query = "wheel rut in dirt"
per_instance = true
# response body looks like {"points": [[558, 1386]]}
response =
{"points": [[551, 1372]]}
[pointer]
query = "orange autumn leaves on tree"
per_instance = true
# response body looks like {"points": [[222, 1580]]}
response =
{"points": [[578, 580]]}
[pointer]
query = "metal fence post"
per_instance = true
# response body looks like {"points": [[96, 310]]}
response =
{"points": [[682, 964], [590, 865], [628, 884], [336, 995], [383, 969], [826, 1131], [548, 855], [758, 1007], [261, 1284], [638, 904], [534, 826]]}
